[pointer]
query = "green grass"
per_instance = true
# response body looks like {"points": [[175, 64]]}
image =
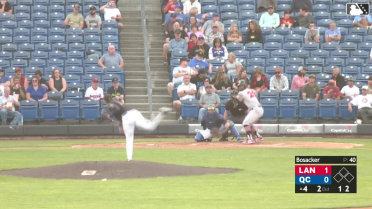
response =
{"points": [[266, 179]]}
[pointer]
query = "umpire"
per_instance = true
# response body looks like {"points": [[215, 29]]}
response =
{"points": [[237, 109]]}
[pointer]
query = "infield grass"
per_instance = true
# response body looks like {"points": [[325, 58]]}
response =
{"points": [[266, 179]]}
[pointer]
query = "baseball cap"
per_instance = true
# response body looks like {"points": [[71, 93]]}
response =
{"points": [[312, 76], [114, 80], [216, 15], [95, 80], [17, 69], [270, 7], [178, 31], [301, 68], [365, 88], [350, 79], [92, 8]]}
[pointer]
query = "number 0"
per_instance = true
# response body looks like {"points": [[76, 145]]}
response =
{"points": [[326, 179]]}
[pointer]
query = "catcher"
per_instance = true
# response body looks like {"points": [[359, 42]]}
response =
{"points": [[215, 125]]}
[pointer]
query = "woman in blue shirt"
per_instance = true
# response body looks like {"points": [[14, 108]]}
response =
{"points": [[217, 51], [36, 92]]}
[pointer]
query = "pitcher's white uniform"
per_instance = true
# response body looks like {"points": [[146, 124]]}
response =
{"points": [[248, 96]]}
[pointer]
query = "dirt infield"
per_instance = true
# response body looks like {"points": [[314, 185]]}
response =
{"points": [[114, 170]]}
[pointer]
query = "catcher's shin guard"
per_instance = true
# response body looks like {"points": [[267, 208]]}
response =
{"points": [[199, 137]]}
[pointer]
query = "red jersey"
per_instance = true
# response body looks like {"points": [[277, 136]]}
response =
{"points": [[286, 22]]}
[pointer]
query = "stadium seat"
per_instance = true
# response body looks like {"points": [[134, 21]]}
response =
{"points": [[252, 46], [74, 38], [355, 61], [74, 62], [22, 16], [241, 54], [57, 24], [73, 78], [365, 46], [228, 8], [346, 23], [271, 46], [362, 78], [74, 70], [247, 14], [270, 107], [320, 54], [92, 39], [109, 24], [275, 61], [208, 2], [274, 38], [5, 17], [189, 109], [329, 46], [59, 48], [256, 62], [56, 16], [48, 110], [43, 47], [367, 70], [266, 31], [321, 7], [58, 54], [360, 54], [265, 94], [39, 16], [6, 32], [21, 39], [229, 16], [39, 32], [70, 110], [105, 31], [353, 38], [299, 31], [224, 94], [41, 2], [95, 31], [233, 46], [90, 109], [358, 31], [343, 112], [294, 94], [9, 47], [338, 15], [283, 31], [291, 46], [31, 71], [322, 15], [310, 46], [39, 8], [351, 70], [75, 55], [340, 54], [243, 2], [5, 55], [283, 7], [280, 53], [314, 61], [295, 61], [327, 109], [288, 108], [338, 8], [308, 109], [74, 95], [323, 77], [22, 9], [56, 39], [38, 63], [39, 39], [19, 63], [56, 62], [349, 46], [260, 54], [22, 32], [210, 8], [29, 110], [294, 38], [314, 69], [41, 24]]}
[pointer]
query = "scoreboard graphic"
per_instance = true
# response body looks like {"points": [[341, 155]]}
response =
{"points": [[325, 174]]}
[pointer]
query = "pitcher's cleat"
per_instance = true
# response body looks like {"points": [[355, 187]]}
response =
{"points": [[165, 109]]}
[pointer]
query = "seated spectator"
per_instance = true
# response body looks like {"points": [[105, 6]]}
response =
{"points": [[168, 27], [220, 81], [39, 76], [177, 13], [311, 90], [200, 47], [57, 82], [364, 105], [254, 33], [208, 25], [312, 34], [111, 59], [36, 92], [279, 82], [94, 92], [93, 20], [236, 108], [178, 74], [217, 51], [350, 90], [116, 91], [304, 18], [4, 80], [270, 19], [234, 34], [200, 18], [193, 42], [17, 90], [208, 99], [110, 12], [340, 80], [22, 78], [286, 21], [201, 84], [198, 63], [363, 21], [170, 7], [195, 30], [264, 5], [75, 19], [299, 80], [213, 35], [241, 76], [331, 91], [178, 43], [171, 35], [188, 4], [7, 109], [5, 7], [232, 66], [186, 90], [298, 4], [259, 80], [332, 34]]}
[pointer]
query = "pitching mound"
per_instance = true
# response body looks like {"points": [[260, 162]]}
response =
{"points": [[113, 170]]}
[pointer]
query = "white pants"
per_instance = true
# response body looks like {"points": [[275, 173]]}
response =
{"points": [[253, 116], [131, 120]]}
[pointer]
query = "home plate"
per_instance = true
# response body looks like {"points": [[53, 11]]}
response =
{"points": [[88, 173]]}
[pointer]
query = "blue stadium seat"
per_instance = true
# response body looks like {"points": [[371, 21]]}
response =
{"points": [[41, 24], [320, 53], [283, 7], [74, 31], [247, 15], [19, 63], [299, 31], [290, 46], [300, 53], [30, 71], [189, 109], [21, 39], [275, 61], [327, 109], [93, 46], [39, 8], [252, 46], [270, 107], [280, 53], [56, 16], [109, 24], [310, 46], [5, 16], [74, 62], [340, 54], [295, 61], [38, 63], [343, 112], [72, 86], [293, 94], [62, 47], [265, 94], [76, 47], [266, 31], [39, 16], [74, 95], [91, 62], [234, 46], [208, 2], [6, 32], [96, 70], [229, 16], [346, 23], [360, 54], [48, 110], [22, 9], [39, 39], [242, 2], [74, 38], [4, 63], [90, 110], [355, 61], [260, 54], [39, 32], [294, 38], [367, 70], [362, 78], [314, 69], [288, 108], [329, 46], [308, 109], [108, 31], [353, 38], [41, 2], [270, 70], [56, 62], [210, 8], [57, 54], [256, 62], [56, 39], [338, 8], [274, 38], [95, 31], [339, 15], [110, 39], [349, 46], [57, 24], [26, 24], [29, 110], [351, 70], [226, 2], [366, 46], [228, 8], [75, 54], [271, 46], [336, 61], [323, 77], [57, 31], [321, 7], [322, 15], [324, 22], [74, 70], [283, 31], [42, 47], [70, 110], [358, 31], [4, 55], [343, 2], [9, 47], [241, 54]]}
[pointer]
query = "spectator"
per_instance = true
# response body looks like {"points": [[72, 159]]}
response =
{"points": [[207, 27], [270, 19], [299, 80], [214, 34], [312, 34], [217, 51], [190, 4], [177, 13], [168, 27], [110, 12], [332, 34], [36, 92], [178, 74], [171, 35], [93, 20], [200, 18], [363, 21], [39, 76], [94, 92], [116, 91], [259, 80], [264, 5], [304, 18], [192, 22], [186, 90], [236, 108], [5, 7], [57, 82], [22, 78], [232, 66], [331, 90], [75, 19], [298, 4], [279, 82], [195, 30], [4, 80], [349, 91], [369, 90], [7, 109], [17, 90], [234, 34], [340, 80], [111, 59], [241, 76], [254, 33], [170, 7], [178, 43], [205, 81], [364, 104], [220, 81], [198, 63], [286, 20], [208, 99], [200, 47], [311, 90], [193, 42]]}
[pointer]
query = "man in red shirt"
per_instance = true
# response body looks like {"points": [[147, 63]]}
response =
{"points": [[331, 90]]}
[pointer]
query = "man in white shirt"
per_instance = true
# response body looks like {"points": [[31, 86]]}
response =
{"points": [[94, 92], [185, 91], [110, 12], [350, 90], [278, 82], [190, 4], [178, 73], [7, 108], [364, 104], [269, 19]]}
